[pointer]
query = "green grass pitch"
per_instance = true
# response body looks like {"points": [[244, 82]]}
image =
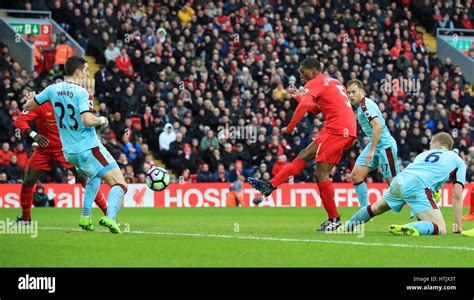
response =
{"points": [[226, 237]]}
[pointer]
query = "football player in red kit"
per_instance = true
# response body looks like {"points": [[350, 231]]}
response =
{"points": [[327, 95], [44, 156]]}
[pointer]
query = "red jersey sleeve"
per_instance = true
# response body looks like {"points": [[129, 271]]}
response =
{"points": [[301, 110], [314, 110], [23, 120]]}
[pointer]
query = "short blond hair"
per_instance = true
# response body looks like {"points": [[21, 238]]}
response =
{"points": [[357, 82], [443, 138]]}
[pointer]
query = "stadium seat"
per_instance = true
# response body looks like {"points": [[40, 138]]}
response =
{"points": [[137, 123]]}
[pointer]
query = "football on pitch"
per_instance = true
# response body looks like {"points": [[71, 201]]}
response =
{"points": [[157, 179]]}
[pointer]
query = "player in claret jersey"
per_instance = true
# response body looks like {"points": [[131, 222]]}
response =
{"points": [[327, 95], [46, 155]]}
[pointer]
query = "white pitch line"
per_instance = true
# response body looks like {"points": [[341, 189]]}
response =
{"points": [[263, 238]]}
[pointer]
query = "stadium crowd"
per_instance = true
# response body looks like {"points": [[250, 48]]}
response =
{"points": [[173, 74]]}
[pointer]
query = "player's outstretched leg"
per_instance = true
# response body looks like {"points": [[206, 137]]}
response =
{"points": [[366, 213], [115, 180], [90, 193], [262, 186], [291, 169], [430, 223]]}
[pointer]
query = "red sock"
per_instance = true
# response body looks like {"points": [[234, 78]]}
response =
{"points": [[26, 200], [291, 169], [326, 191], [101, 202], [471, 210], [100, 199]]}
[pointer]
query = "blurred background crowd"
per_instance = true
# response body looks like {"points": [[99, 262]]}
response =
{"points": [[173, 74]]}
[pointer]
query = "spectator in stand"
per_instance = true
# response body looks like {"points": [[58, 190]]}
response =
{"points": [[131, 149], [446, 24], [21, 155], [14, 171], [111, 53], [186, 14], [187, 160], [129, 174], [6, 130], [3, 177], [466, 23], [124, 63], [280, 92], [466, 137], [222, 175], [5, 154], [117, 125], [209, 142], [204, 175], [186, 176], [176, 148], [166, 138], [456, 118], [149, 38], [279, 164], [41, 199], [243, 155], [228, 156], [132, 131]]}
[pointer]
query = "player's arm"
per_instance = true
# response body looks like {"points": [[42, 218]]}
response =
{"points": [[314, 110], [376, 132], [457, 207], [89, 119], [294, 93], [31, 102], [85, 109], [22, 124], [298, 96], [300, 112], [459, 179]]}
